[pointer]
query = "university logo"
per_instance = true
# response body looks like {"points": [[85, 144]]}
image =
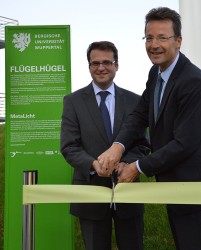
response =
{"points": [[21, 41]]}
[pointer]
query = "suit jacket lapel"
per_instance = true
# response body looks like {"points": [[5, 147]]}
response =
{"points": [[171, 82], [94, 112], [119, 110], [149, 91], [151, 113], [167, 92]]}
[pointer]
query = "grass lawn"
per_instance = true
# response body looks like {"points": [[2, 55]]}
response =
{"points": [[157, 234]]}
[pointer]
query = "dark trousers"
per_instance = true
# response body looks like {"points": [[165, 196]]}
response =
{"points": [[97, 235], [186, 230]]}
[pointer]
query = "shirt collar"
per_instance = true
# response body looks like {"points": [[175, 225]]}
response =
{"points": [[166, 74], [111, 89]]}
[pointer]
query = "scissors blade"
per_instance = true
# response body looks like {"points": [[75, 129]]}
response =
{"points": [[112, 197]]}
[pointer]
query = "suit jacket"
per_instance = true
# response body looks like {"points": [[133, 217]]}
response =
{"points": [[83, 139], [176, 135]]}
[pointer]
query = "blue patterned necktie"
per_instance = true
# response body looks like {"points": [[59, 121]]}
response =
{"points": [[157, 95], [105, 114]]}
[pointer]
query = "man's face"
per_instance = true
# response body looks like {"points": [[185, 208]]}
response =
{"points": [[102, 74], [161, 51]]}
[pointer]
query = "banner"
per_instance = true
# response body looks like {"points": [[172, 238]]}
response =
{"points": [[149, 192], [38, 75]]}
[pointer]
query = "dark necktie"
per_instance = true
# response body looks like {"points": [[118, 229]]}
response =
{"points": [[107, 123], [157, 95], [105, 114]]}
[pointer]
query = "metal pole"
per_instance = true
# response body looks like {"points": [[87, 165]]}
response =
{"points": [[29, 178]]}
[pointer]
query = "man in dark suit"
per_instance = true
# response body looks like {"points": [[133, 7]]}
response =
{"points": [[174, 120], [84, 138]]}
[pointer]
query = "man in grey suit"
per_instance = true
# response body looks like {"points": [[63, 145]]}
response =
{"points": [[84, 138], [174, 120]]}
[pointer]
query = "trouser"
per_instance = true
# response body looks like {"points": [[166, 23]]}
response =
{"points": [[186, 230], [97, 235]]}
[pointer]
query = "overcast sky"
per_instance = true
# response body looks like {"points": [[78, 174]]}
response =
{"points": [[118, 21]]}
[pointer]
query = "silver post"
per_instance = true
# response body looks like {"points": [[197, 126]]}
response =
{"points": [[29, 178]]}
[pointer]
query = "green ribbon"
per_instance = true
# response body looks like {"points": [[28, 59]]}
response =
{"points": [[154, 192]]}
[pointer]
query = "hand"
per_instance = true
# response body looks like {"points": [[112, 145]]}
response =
{"points": [[110, 158], [119, 167], [103, 172], [128, 173]]}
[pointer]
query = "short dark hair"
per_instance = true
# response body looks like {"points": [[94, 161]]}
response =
{"points": [[164, 13], [103, 45]]}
